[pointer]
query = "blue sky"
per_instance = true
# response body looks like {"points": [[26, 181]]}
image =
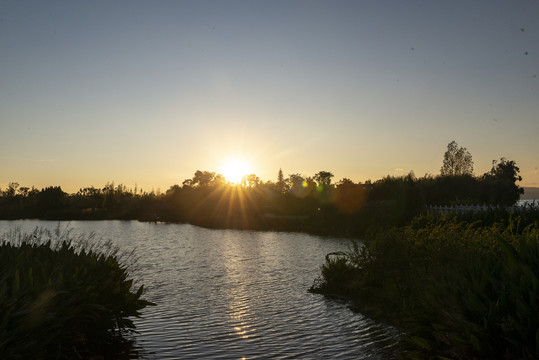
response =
{"points": [[148, 92]]}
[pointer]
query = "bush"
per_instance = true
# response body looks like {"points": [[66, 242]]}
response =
{"points": [[458, 290], [61, 298]]}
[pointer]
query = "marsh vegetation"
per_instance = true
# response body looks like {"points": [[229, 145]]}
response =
{"points": [[65, 297], [458, 289]]}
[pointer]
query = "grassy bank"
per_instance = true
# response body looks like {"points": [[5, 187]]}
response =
{"points": [[458, 290], [61, 298]]}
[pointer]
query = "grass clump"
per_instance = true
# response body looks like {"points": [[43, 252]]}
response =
{"points": [[62, 298], [458, 290]]}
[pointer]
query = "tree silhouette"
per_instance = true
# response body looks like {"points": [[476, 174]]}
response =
{"points": [[297, 185], [323, 178], [281, 184], [24, 191], [295, 180], [501, 180], [50, 199], [204, 178], [251, 180], [457, 161], [349, 197], [11, 189], [506, 170]]}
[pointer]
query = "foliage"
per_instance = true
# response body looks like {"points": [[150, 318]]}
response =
{"points": [[457, 161], [51, 198], [280, 185], [62, 298], [323, 179], [298, 203], [250, 180], [459, 290], [205, 178], [501, 181]]}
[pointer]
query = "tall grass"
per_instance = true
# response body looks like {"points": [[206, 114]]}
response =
{"points": [[65, 297], [458, 290]]}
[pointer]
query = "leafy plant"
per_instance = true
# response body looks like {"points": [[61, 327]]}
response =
{"points": [[62, 298], [458, 290]]}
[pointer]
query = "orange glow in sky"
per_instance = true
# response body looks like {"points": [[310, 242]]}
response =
{"points": [[145, 93]]}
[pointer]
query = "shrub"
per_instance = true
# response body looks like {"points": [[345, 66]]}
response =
{"points": [[458, 290], [62, 298]]}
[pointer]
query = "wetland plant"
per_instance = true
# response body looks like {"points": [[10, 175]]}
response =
{"points": [[458, 290], [63, 298]]}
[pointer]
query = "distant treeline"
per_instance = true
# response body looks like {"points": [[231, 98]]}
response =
{"points": [[296, 203]]}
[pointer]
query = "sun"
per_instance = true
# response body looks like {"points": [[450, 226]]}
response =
{"points": [[235, 169]]}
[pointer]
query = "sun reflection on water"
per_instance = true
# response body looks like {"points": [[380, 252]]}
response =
{"points": [[240, 314]]}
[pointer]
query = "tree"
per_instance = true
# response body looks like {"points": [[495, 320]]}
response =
{"points": [[51, 198], [24, 191], [457, 161], [11, 189], [174, 189], [204, 178], [298, 186], [506, 170], [349, 197], [501, 181], [295, 180], [251, 180], [323, 178], [281, 184]]}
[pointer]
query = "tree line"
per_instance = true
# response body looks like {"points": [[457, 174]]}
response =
{"points": [[296, 202]]}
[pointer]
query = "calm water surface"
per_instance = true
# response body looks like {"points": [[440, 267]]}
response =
{"points": [[226, 294]]}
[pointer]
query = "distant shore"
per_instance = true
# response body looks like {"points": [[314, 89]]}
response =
{"points": [[530, 193]]}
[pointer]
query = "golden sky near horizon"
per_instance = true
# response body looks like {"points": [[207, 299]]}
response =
{"points": [[146, 93]]}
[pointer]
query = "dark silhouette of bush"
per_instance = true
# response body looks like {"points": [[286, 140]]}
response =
{"points": [[297, 203], [63, 299], [50, 200], [456, 289]]}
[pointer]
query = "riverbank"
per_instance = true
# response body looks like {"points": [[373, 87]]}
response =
{"points": [[303, 205], [457, 289]]}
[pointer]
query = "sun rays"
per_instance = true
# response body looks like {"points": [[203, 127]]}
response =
{"points": [[234, 169]]}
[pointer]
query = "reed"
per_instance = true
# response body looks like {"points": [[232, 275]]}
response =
{"points": [[62, 297], [458, 290]]}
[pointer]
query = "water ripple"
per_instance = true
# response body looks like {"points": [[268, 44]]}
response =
{"points": [[225, 294]]}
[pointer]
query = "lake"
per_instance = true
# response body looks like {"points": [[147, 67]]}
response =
{"points": [[227, 294]]}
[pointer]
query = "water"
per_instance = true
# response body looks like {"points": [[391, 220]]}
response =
{"points": [[225, 294], [527, 202]]}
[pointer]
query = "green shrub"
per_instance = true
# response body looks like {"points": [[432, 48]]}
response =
{"points": [[62, 298], [457, 290]]}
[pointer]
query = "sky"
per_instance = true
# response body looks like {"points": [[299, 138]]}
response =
{"points": [[144, 93]]}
